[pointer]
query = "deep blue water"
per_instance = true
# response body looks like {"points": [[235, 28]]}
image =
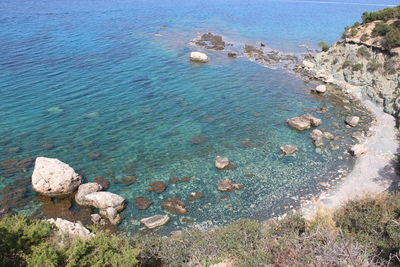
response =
{"points": [[91, 77]]}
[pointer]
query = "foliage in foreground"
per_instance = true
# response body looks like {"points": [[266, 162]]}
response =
{"points": [[362, 233], [31, 242]]}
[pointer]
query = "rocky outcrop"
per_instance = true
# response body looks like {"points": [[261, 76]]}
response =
{"points": [[155, 221], [108, 203], [52, 177], [318, 137], [75, 230], [198, 57], [211, 41], [362, 65]]}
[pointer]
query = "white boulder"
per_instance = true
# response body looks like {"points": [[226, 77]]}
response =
{"points": [[358, 150], [155, 221], [198, 57], [51, 177]]}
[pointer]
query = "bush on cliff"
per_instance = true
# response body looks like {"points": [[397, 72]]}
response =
{"points": [[384, 14], [323, 46]]}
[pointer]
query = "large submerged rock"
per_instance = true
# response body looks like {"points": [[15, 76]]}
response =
{"points": [[51, 177], [174, 206], [227, 185]]}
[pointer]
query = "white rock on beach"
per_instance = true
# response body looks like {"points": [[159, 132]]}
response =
{"points": [[198, 57], [51, 177], [71, 229], [155, 221], [320, 89], [352, 121], [358, 150]]}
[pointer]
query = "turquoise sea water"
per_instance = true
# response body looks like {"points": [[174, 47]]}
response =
{"points": [[87, 82]]}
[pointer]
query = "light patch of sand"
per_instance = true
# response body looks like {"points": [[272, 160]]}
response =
{"points": [[373, 172]]}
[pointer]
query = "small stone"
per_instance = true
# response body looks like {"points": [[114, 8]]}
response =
{"points": [[94, 155], [158, 187], [358, 150], [328, 135], [47, 146], [288, 149], [227, 185], [221, 162], [320, 89], [155, 221], [95, 218], [352, 121], [198, 140], [142, 203], [195, 196], [232, 54]]}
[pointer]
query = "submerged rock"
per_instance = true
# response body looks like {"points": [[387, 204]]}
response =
{"points": [[198, 57], [105, 184], [318, 137], [198, 140], [288, 149], [358, 150], [142, 203], [174, 205], [211, 41], [195, 196], [226, 185], [158, 187], [352, 121], [52, 177], [128, 180], [71, 229], [155, 221], [232, 54]]}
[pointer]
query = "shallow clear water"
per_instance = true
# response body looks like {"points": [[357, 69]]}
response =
{"points": [[90, 78]]}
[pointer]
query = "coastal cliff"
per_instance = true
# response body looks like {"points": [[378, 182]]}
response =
{"points": [[365, 61]]}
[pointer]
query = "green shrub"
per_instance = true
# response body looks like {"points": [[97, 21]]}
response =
{"points": [[373, 65], [364, 37], [102, 250], [381, 29], [375, 223], [384, 14], [363, 52], [43, 255], [392, 39], [356, 24], [353, 32], [357, 67], [324, 46], [18, 234], [346, 64]]}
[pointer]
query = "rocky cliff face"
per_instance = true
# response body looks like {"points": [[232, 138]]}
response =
{"points": [[360, 62]]}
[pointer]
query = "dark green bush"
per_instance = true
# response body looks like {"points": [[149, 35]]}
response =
{"points": [[357, 67], [364, 37], [43, 255], [353, 32], [324, 46], [381, 29], [384, 14], [392, 39], [363, 52], [346, 64], [17, 235]]}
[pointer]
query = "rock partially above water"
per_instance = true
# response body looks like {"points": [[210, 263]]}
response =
{"points": [[84, 190], [358, 150], [155, 221], [195, 196], [320, 89], [288, 149], [104, 200], [317, 136], [223, 163], [226, 185], [211, 41], [105, 184], [232, 54], [304, 122], [52, 177], [174, 206], [352, 121], [198, 57], [76, 230]]}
